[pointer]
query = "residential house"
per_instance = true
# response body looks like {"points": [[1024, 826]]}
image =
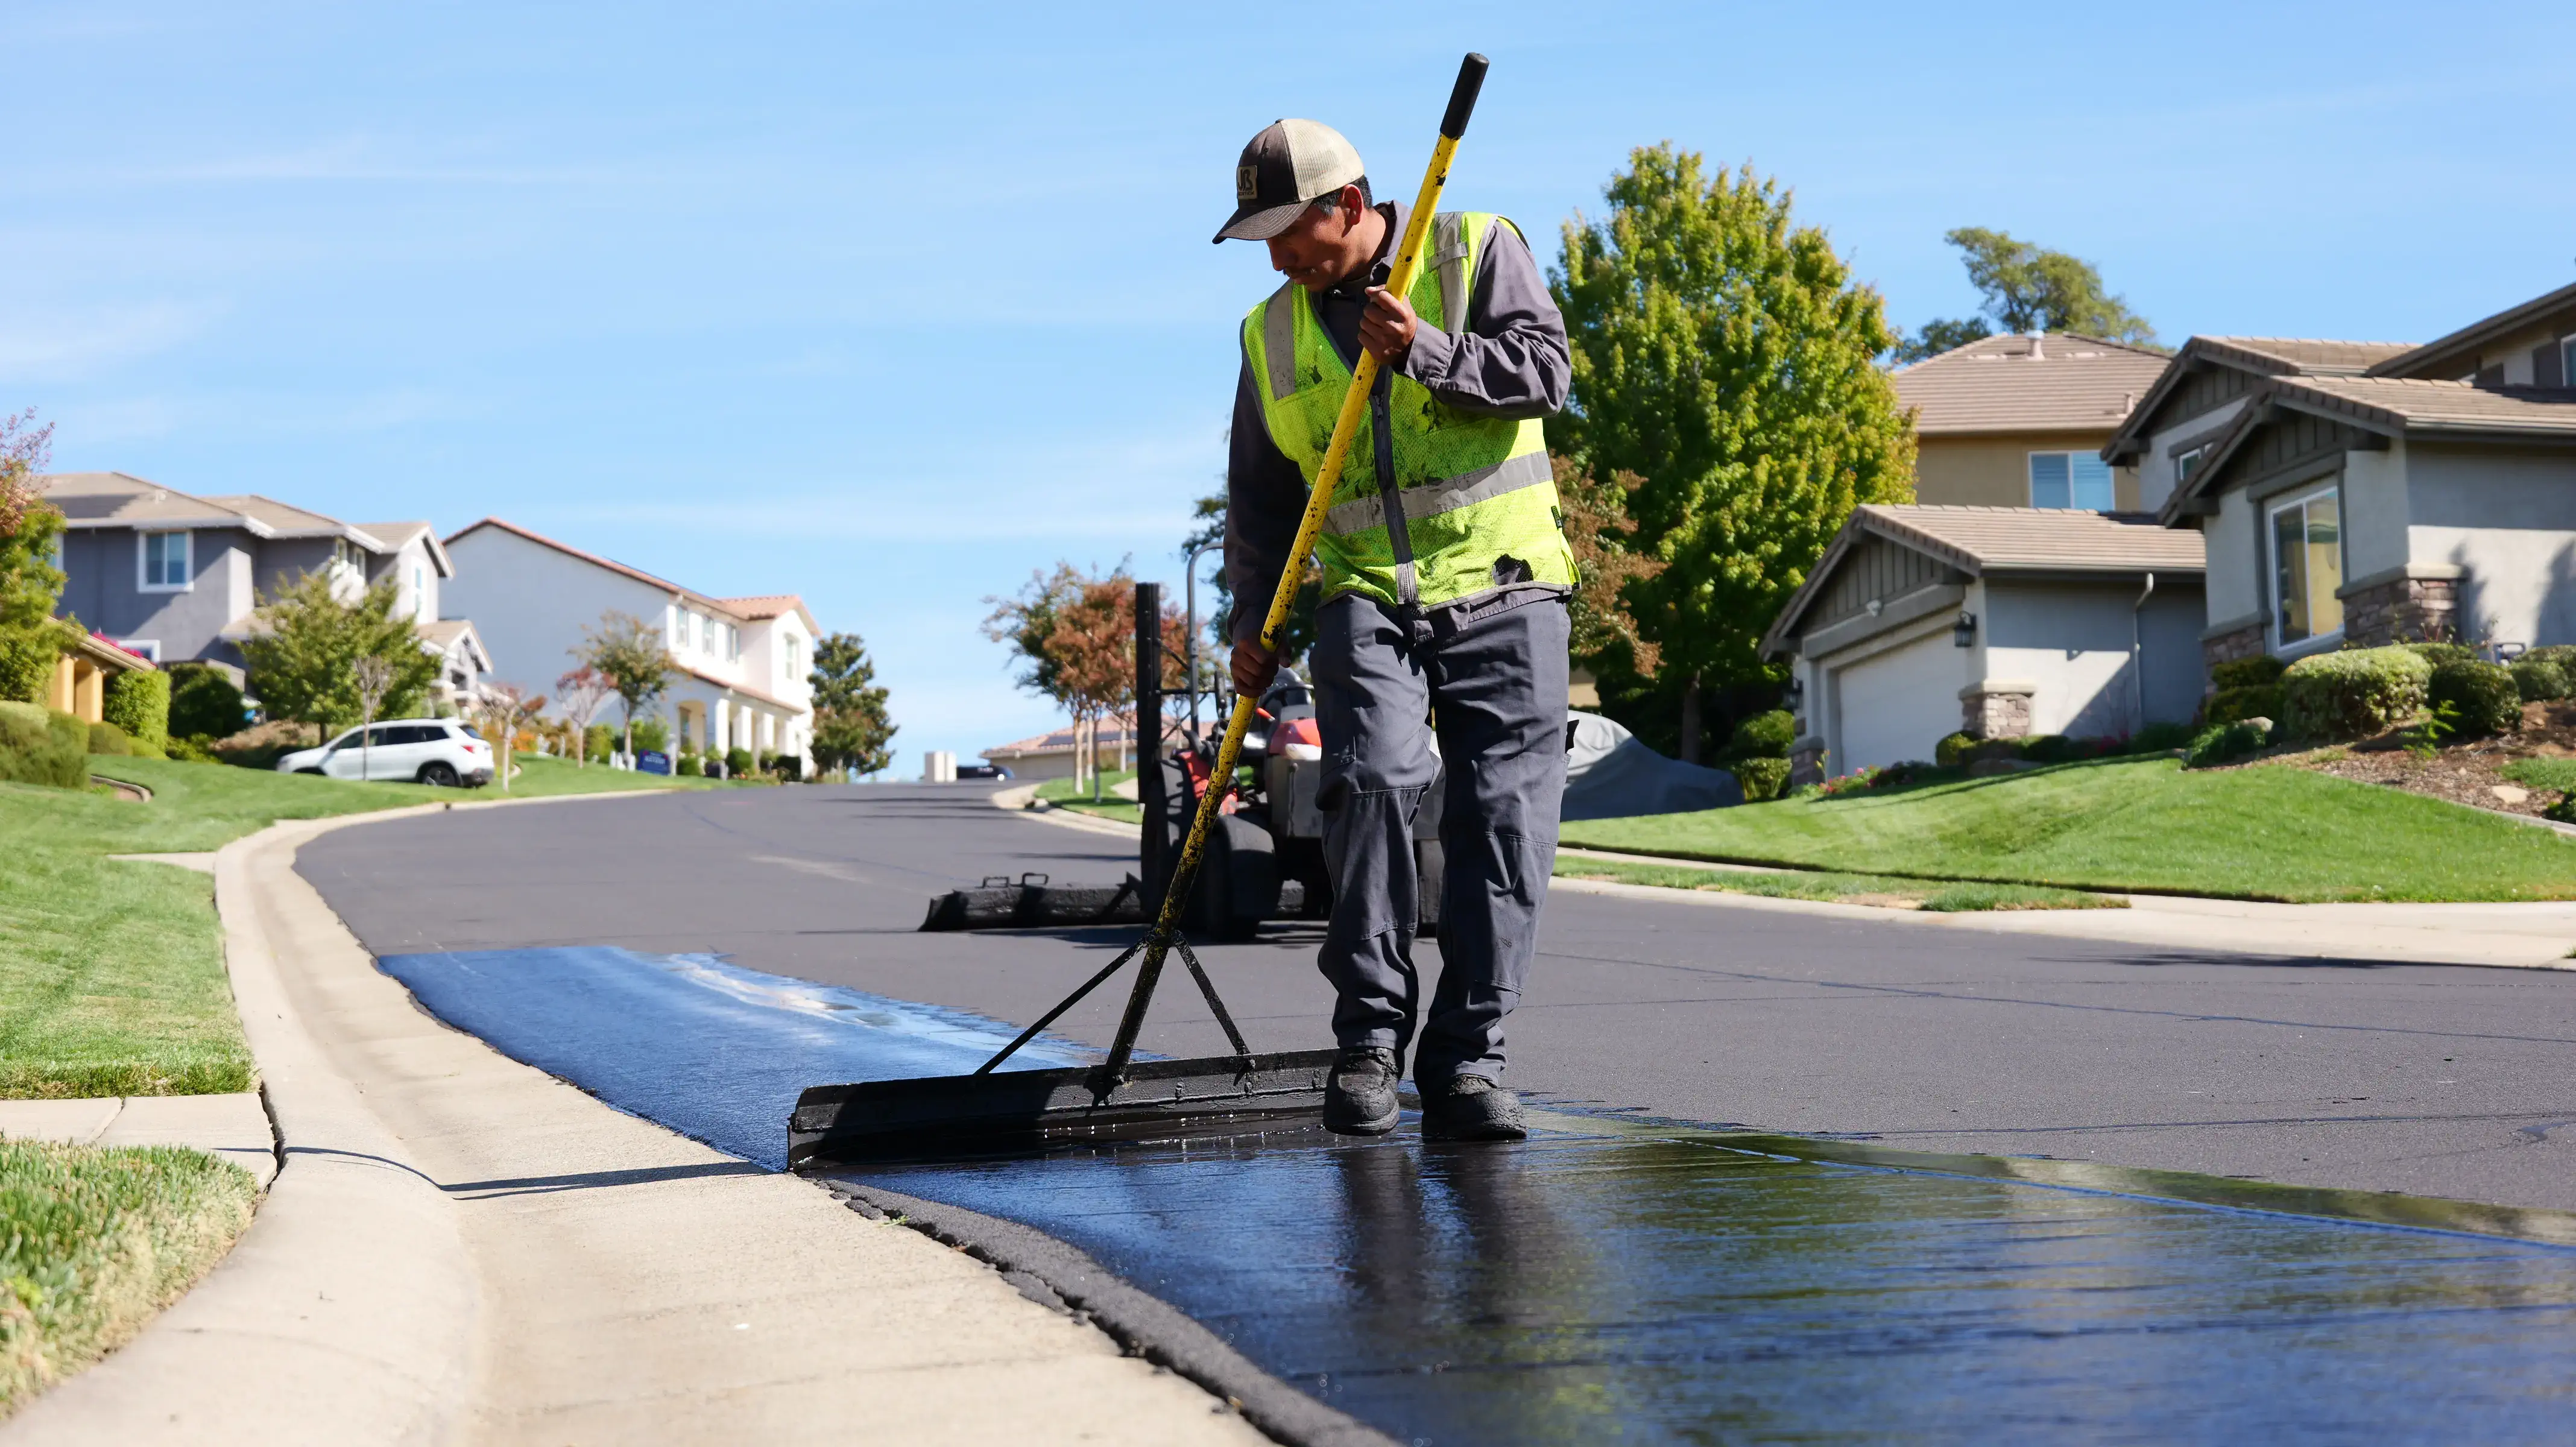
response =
{"points": [[2367, 492], [1999, 622], [79, 687], [2020, 420], [743, 663], [174, 576], [1052, 755]]}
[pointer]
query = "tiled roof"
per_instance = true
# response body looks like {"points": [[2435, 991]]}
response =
{"points": [[2460, 347], [611, 564], [2420, 405], [117, 499], [1987, 539], [1114, 731], [771, 605], [746, 690], [396, 535], [285, 520], [2314, 356], [441, 635], [2060, 382]]}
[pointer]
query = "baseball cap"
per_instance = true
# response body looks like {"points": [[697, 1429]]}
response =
{"points": [[1288, 166]]}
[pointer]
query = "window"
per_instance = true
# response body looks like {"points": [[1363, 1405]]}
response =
{"points": [[2070, 479], [2188, 462], [733, 644], [2567, 362], [2307, 567], [165, 562]]}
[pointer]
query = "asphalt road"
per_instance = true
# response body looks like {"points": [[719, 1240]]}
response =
{"points": [[2436, 1080]]}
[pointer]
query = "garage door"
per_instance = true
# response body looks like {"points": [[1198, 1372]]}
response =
{"points": [[1896, 705]]}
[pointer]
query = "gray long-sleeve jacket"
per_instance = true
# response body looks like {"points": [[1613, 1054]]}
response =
{"points": [[1510, 361]]}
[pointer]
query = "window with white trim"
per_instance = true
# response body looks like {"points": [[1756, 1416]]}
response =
{"points": [[733, 644], [2306, 539], [2188, 462], [165, 562], [2070, 480]]}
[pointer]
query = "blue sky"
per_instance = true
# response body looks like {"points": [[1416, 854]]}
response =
{"points": [[890, 307]]}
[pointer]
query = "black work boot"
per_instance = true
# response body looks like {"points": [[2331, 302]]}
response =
{"points": [[1470, 1108], [1360, 1097]]}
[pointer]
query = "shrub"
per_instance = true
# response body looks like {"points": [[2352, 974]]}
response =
{"points": [[2247, 672], [791, 767], [598, 741], [107, 738], [689, 766], [2485, 694], [737, 762], [2539, 679], [139, 703], [203, 702], [1952, 752], [2048, 748], [1766, 735], [1761, 778], [41, 746], [2225, 743], [2562, 654], [190, 749], [652, 734], [2438, 654], [2157, 738], [2235, 705], [2353, 694]]}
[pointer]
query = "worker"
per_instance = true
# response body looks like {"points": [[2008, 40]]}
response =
{"points": [[1445, 576]]}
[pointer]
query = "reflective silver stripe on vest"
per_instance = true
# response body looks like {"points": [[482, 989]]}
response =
{"points": [[1448, 263], [1447, 495], [1279, 341]]}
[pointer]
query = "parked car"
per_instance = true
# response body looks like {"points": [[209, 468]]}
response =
{"points": [[424, 750], [982, 771]]}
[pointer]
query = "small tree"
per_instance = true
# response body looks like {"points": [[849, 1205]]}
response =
{"points": [[2028, 288], [373, 677], [579, 696], [505, 710], [631, 655], [1599, 530], [851, 730], [31, 638], [303, 658], [1077, 635], [1724, 356]]}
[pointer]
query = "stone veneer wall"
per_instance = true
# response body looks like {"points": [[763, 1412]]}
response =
{"points": [[2402, 609], [1997, 715], [2245, 642]]}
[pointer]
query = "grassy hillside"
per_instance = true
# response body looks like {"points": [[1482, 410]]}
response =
{"points": [[2135, 825]]}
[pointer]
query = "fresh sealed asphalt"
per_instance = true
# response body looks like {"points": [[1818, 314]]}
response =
{"points": [[698, 959], [2436, 1080]]}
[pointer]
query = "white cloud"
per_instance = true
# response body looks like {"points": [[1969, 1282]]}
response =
{"points": [[51, 347]]}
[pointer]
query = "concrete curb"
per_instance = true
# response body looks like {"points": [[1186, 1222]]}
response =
{"points": [[1064, 1277], [348, 1310]]}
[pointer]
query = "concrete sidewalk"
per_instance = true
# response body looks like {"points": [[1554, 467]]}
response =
{"points": [[2528, 936], [464, 1249], [233, 1127]]}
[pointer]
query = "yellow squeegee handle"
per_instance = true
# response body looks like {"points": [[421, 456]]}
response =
{"points": [[1319, 501]]}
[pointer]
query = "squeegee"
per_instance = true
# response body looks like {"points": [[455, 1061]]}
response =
{"points": [[1123, 1098]]}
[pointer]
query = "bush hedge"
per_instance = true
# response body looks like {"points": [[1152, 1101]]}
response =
{"points": [[2225, 744], [652, 735], [1952, 752], [2247, 672], [139, 703], [1761, 778], [2539, 679], [107, 738], [2485, 694], [2235, 705], [2157, 738], [1766, 735], [203, 703], [688, 767], [2438, 654], [2353, 694], [40, 746]]}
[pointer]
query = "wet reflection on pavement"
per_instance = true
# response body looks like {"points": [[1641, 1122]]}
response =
{"points": [[1647, 1281]]}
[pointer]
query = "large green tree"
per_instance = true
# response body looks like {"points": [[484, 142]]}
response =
{"points": [[1723, 356], [303, 657], [30, 636], [2027, 288], [631, 654], [851, 730]]}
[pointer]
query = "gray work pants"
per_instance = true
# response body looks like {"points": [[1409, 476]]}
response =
{"points": [[1496, 684]]}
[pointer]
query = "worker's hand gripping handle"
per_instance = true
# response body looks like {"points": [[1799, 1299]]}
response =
{"points": [[1462, 96]]}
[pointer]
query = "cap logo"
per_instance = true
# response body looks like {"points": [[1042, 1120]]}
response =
{"points": [[1247, 183]]}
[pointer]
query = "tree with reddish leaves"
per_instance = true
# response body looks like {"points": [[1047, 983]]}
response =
{"points": [[1078, 634]]}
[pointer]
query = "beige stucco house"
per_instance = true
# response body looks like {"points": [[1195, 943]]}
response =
{"points": [[2367, 492], [2020, 421]]}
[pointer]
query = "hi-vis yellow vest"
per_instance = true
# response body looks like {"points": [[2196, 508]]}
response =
{"points": [[1475, 502]]}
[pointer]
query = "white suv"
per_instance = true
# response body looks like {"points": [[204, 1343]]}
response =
{"points": [[429, 750]]}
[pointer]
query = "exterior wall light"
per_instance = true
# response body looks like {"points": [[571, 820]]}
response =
{"points": [[1964, 632]]}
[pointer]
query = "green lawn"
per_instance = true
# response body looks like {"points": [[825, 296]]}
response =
{"points": [[2559, 774], [1872, 889], [2134, 825], [111, 973], [94, 1241], [1063, 794]]}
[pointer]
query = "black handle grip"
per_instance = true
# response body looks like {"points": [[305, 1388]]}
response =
{"points": [[1462, 96]]}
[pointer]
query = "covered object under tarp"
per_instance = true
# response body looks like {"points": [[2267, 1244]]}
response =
{"points": [[1609, 775]]}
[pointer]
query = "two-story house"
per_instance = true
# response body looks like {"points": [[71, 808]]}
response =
{"points": [[2020, 420], [742, 662], [176, 576], [2369, 492]]}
